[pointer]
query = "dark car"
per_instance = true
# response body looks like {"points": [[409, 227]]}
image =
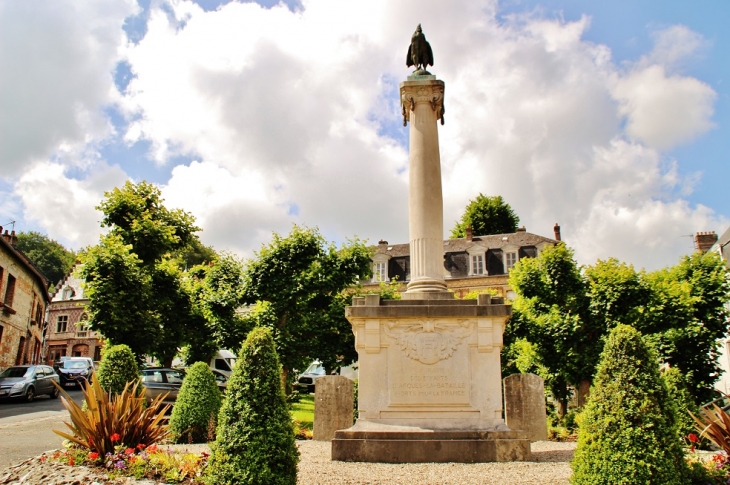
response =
{"points": [[76, 371], [161, 380], [28, 381]]}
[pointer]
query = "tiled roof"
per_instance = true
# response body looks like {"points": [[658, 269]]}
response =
{"points": [[493, 241]]}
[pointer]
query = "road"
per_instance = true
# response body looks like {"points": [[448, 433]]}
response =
{"points": [[26, 429]]}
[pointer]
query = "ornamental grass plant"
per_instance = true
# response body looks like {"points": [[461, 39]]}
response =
{"points": [[255, 437], [110, 420], [628, 433], [196, 408]]}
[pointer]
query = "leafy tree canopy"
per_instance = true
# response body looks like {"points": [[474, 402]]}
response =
{"points": [[297, 281], [133, 279], [566, 311], [486, 215], [49, 256]]}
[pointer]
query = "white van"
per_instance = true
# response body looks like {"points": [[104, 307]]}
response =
{"points": [[223, 361]]}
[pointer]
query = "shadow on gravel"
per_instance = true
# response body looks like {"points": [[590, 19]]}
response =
{"points": [[557, 456]]}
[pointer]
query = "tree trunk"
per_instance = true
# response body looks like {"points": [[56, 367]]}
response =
{"points": [[584, 389], [285, 381]]}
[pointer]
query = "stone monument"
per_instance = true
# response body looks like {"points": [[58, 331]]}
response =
{"points": [[430, 382]]}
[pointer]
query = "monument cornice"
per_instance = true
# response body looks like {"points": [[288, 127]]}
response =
{"points": [[419, 91]]}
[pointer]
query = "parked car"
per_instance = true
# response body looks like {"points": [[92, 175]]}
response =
{"points": [[162, 380], [28, 381], [76, 371], [221, 380], [309, 377]]}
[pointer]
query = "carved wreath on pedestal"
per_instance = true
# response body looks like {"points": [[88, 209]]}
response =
{"points": [[434, 95], [429, 342]]}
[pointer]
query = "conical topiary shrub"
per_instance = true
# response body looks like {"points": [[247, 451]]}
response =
{"points": [[627, 433], [118, 366], [255, 436], [196, 406]]}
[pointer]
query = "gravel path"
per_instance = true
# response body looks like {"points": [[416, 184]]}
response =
{"points": [[551, 465]]}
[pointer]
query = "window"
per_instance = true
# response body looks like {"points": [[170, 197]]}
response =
{"points": [[477, 264], [68, 293], [10, 291], [61, 323], [510, 260], [174, 377], [380, 271]]}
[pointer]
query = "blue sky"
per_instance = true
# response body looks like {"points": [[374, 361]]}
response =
{"points": [[609, 118]]}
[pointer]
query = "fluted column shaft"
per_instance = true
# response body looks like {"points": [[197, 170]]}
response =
{"points": [[423, 107]]}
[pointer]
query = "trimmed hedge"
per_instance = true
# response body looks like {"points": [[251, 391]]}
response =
{"points": [[628, 434], [118, 367], [196, 406], [255, 436]]}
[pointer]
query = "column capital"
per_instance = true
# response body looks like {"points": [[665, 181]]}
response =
{"points": [[429, 91]]}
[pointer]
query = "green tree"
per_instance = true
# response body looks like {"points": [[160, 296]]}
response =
{"points": [[133, 281], [255, 437], [486, 215], [301, 278], [197, 405], [49, 256], [118, 367], [628, 434], [551, 313]]}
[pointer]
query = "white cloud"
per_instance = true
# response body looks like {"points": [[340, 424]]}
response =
{"points": [[56, 58], [294, 117], [64, 206]]}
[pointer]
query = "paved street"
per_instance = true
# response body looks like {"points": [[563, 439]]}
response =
{"points": [[26, 429]]}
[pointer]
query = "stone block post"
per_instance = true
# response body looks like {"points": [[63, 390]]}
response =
{"points": [[333, 406], [524, 405]]}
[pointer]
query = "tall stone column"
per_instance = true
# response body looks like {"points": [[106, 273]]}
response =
{"points": [[422, 98]]}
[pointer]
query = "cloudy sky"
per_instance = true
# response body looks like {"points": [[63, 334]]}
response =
{"points": [[611, 118]]}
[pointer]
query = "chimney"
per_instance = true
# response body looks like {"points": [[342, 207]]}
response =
{"points": [[6, 235], [556, 229], [382, 242], [469, 235], [522, 229], [705, 240], [14, 239]]}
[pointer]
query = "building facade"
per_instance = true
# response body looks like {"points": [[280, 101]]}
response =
{"points": [[472, 263], [709, 242], [68, 332], [23, 302]]}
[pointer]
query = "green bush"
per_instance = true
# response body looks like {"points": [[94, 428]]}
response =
{"points": [[196, 406], [628, 434], [118, 367], [682, 401], [255, 436]]}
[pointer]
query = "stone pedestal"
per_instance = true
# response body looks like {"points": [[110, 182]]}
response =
{"points": [[333, 406], [429, 383], [524, 405]]}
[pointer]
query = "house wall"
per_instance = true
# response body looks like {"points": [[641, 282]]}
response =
{"points": [[21, 341]]}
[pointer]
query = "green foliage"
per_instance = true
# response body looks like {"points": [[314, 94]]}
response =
{"points": [[302, 279], [196, 406], [133, 279], [474, 295], [255, 437], [627, 433], [112, 420], [681, 400], [486, 215], [566, 311], [118, 368], [48, 255]]}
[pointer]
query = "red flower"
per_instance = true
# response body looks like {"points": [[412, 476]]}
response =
{"points": [[152, 448], [93, 456], [115, 437], [141, 446], [129, 451], [71, 461], [693, 438]]}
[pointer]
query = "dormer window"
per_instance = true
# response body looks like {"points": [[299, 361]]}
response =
{"points": [[477, 264], [380, 272], [68, 293], [510, 259]]}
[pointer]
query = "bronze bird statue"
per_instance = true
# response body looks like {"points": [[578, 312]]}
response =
{"points": [[419, 52]]}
